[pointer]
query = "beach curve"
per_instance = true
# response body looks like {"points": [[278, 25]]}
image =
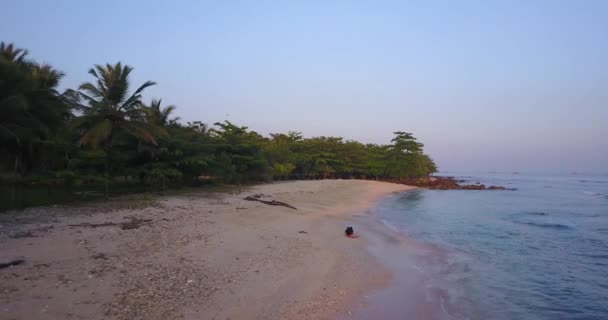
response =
{"points": [[197, 256]]}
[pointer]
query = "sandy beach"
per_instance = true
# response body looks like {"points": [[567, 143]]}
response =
{"points": [[202, 255]]}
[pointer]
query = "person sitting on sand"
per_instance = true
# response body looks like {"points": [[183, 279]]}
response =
{"points": [[350, 232]]}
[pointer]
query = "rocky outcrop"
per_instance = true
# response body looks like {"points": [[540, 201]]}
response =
{"points": [[445, 183]]}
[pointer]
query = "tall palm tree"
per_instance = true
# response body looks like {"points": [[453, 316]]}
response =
{"points": [[31, 108], [13, 106], [159, 116], [110, 112]]}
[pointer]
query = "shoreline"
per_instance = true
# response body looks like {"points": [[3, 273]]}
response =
{"points": [[426, 275], [410, 290], [203, 255], [430, 182]]}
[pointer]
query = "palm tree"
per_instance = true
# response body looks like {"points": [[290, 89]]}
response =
{"points": [[111, 112], [13, 107], [160, 116], [31, 108], [12, 54]]}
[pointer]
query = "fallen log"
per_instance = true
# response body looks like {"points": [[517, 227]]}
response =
{"points": [[133, 224], [23, 234], [93, 225], [271, 203], [11, 263]]}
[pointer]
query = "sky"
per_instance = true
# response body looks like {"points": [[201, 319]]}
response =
{"points": [[485, 85]]}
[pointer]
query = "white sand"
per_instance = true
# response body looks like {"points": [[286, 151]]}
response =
{"points": [[203, 256]]}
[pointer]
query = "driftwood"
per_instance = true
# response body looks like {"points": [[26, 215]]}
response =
{"points": [[11, 263], [100, 256], [30, 233], [271, 203], [133, 224], [94, 225], [260, 195], [24, 234]]}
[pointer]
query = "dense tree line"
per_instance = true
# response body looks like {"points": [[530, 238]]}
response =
{"points": [[103, 133]]}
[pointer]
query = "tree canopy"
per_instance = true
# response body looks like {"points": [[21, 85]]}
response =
{"points": [[104, 133]]}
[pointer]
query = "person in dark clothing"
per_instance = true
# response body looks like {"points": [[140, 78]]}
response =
{"points": [[350, 232]]}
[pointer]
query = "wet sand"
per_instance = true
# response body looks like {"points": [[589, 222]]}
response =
{"points": [[410, 294], [197, 256]]}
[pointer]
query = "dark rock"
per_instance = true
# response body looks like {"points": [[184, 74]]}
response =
{"points": [[444, 183]]}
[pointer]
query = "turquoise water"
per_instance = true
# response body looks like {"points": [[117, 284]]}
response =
{"points": [[540, 252]]}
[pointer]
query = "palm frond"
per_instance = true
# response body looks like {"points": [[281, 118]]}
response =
{"points": [[7, 134], [135, 99], [46, 76], [99, 133], [92, 91], [144, 86], [93, 72], [12, 54], [166, 113], [141, 131], [155, 104]]}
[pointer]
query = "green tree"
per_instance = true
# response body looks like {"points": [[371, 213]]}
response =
{"points": [[189, 149], [111, 114], [42, 141], [31, 108], [280, 147], [282, 170], [159, 116], [353, 157], [239, 156], [406, 158]]}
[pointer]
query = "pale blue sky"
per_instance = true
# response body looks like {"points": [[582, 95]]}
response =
{"points": [[486, 85]]}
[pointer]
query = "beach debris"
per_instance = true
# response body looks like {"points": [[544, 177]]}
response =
{"points": [[94, 225], [41, 265], [304, 232], [30, 233], [46, 228], [11, 263], [100, 256], [270, 203], [24, 234], [134, 223]]}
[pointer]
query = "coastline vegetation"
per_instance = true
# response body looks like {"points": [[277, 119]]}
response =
{"points": [[103, 138]]}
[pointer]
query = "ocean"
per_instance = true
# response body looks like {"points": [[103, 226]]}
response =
{"points": [[539, 252]]}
